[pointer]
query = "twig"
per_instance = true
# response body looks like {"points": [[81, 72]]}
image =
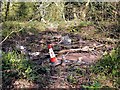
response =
{"points": [[6, 37], [9, 35]]}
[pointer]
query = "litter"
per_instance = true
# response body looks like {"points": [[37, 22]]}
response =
{"points": [[65, 40]]}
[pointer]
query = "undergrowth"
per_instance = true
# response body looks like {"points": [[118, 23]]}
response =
{"points": [[33, 27], [109, 66], [16, 66]]}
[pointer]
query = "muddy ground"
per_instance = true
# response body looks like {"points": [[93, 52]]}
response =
{"points": [[75, 70]]}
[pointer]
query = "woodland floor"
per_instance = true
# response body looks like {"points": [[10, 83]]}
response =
{"points": [[76, 71]]}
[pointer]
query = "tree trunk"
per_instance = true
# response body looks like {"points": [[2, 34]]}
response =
{"points": [[0, 6], [7, 10], [84, 12]]}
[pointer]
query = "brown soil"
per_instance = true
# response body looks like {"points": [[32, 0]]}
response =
{"points": [[80, 59]]}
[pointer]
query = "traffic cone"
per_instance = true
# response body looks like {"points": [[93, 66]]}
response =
{"points": [[53, 58]]}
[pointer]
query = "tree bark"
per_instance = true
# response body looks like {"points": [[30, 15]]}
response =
{"points": [[7, 10], [0, 6]]}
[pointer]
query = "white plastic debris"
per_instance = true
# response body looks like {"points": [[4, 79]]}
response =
{"points": [[34, 53], [67, 61], [66, 40], [21, 48]]}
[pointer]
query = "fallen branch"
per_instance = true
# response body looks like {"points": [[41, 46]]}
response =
{"points": [[113, 41], [69, 50], [9, 35], [84, 49]]}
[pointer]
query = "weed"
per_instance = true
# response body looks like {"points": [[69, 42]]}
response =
{"points": [[94, 86], [109, 65], [71, 79], [15, 65]]}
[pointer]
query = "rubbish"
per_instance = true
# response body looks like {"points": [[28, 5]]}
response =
{"points": [[67, 61], [22, 49], [53, 58], [65, 40], [34, 53]]}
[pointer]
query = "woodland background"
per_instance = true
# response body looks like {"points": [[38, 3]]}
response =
{"points": [[93, 21]]}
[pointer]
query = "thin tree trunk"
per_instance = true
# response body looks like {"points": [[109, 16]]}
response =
{"points": [[85, 10], [0, 6], [7, 10]]}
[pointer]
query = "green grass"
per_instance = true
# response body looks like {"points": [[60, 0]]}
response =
{"points": [[34, 27]]}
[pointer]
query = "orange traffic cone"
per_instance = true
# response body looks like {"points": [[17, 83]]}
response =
{"points": [[53, 58]]}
